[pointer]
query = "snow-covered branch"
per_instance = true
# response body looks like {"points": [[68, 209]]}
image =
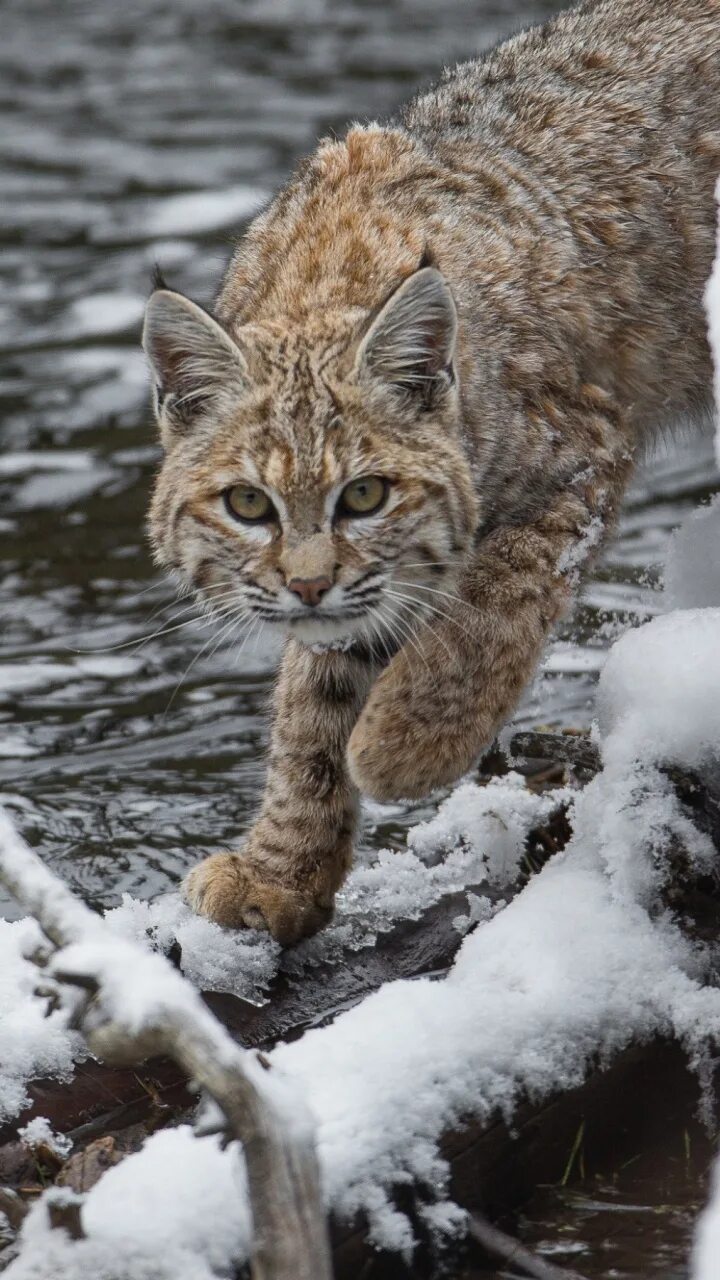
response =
{"points": [[133, 1005]]}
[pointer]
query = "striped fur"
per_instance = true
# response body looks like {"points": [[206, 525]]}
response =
{"points": [[489, 301]]}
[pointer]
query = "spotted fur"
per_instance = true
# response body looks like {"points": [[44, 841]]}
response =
{"points": [[489, 302]]}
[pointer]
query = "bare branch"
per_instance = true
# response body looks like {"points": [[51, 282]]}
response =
{"points": [[504, 1248]]}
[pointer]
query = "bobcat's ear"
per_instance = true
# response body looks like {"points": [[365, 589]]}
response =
{"points": [[195, 363], [411, 343]]}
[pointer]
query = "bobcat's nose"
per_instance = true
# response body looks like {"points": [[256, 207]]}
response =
{"points": [[309, 590]]}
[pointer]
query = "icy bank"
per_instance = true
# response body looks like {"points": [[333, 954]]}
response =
{"points": [[580, 964]]}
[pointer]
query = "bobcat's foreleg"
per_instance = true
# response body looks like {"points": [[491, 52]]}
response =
{"points": [[300, 848]]}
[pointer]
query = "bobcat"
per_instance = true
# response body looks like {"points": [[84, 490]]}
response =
{"points": [[412, 416]]}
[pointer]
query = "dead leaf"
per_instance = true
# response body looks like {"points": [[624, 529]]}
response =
{"points": [[87, 1167]]}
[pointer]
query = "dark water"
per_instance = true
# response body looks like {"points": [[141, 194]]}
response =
{"points": [[148, 131], [633, 1222]]}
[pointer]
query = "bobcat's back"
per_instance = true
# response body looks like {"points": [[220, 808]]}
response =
{"points": [[594, 147]]}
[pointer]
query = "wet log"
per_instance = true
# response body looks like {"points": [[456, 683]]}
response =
{"points": [[629, 1107]]}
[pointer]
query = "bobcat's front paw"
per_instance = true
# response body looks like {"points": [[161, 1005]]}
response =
{"points": [[229, 889]]}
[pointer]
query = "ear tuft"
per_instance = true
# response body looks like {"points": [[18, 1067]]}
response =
{"points": [[195, 363], [158, 279], [411, 343]]}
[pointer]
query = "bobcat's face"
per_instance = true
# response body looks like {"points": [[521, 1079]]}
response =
{"points": [[313, 481]]}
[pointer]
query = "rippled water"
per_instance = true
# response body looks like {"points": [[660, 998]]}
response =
{"points": [[142, 132]]}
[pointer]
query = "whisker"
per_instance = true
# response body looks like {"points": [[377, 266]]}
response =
{"points": [[416, 641], [430, 564], [434, 609], [402, 628], [403, 603], [419, 586], [234, 620], [197, 603], [255, 624], [430, 624], [381, 625], [141, 641]]}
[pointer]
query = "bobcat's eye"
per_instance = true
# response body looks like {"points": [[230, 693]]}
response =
{"points": [[247, 503], [363, 497]]}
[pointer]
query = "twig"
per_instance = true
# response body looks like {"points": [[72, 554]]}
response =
{"points": [[64, 1209], [497, 1245], [13, 1207], [135, 1005], [572, 749]]}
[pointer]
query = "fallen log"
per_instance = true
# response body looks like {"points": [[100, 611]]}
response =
{"points": [[101, 1097]]}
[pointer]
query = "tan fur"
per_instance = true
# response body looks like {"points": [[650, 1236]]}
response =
{"points": [[489, 302]]}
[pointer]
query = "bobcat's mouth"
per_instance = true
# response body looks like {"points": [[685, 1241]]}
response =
{"points": [[331, 628]]}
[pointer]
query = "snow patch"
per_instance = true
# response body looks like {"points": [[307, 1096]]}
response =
{"points": [[181, 1219], [659, 696], [31, 1045], [712, 309], [706, 1249], [692, 567], [38, 1132]]}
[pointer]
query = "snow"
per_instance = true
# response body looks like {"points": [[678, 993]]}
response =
{"points": [[163, 1231], [706, 1251], [215, 959], [660, 692], [481, 831], [712, 308], [490, 822], [39, 1132], [31, 1045], [692, 567]]}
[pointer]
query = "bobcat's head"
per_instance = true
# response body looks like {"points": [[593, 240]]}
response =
{"points": [[314, 477]]}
